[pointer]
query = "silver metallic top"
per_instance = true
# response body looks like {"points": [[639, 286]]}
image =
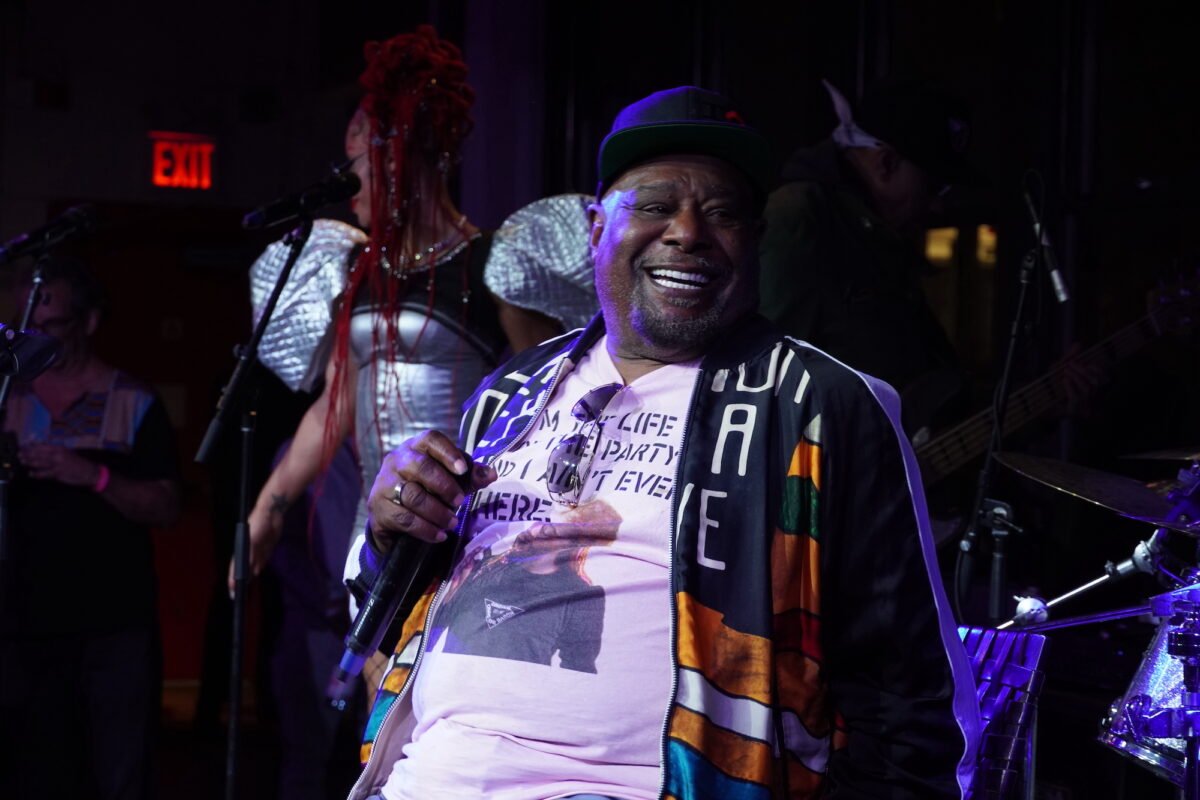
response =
{"points": [[295, 343], [420, 385], [540, 260]]}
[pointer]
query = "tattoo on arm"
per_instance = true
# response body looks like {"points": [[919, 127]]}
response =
{"points": [[280, 503]]}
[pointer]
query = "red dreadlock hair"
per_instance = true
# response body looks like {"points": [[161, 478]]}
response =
{"points": [[417, 106]]}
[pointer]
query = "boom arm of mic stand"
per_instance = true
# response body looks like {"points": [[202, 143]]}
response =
{"points": [[237, 388]]}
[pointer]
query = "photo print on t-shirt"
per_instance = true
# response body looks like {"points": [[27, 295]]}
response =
{"points": [[532, 601], [522, 591]]}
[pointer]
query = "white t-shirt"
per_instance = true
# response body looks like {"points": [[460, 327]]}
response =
{"points": [[547, 669]]}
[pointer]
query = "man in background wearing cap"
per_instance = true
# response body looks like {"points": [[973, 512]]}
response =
{"points": [[841, 257], [772, 625]]}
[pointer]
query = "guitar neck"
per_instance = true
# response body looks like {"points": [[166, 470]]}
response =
{"points": [[957, 446]]}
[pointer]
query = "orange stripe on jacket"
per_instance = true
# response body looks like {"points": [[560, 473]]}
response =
{"points": [[394, 680], [734, 755], [802, 690], [795, 572], [806, 463], [736, 663]]}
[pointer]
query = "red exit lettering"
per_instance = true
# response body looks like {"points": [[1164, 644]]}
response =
{"points": [[182, 163]]}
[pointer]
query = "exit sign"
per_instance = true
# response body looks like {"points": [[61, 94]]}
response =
{"points": [[181, 160]]}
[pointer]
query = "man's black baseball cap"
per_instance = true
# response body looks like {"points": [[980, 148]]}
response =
{"points": [[686, 119]]}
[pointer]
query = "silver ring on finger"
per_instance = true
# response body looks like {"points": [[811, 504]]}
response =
{"points": [[397, 494]]}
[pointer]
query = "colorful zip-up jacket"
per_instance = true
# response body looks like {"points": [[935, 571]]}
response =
{"points": [[815, 655]]}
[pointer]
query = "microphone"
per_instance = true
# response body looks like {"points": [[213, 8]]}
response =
{"points": [[24, 354], [1043, 239], [396, 589], [72, 222], [341, 185]]}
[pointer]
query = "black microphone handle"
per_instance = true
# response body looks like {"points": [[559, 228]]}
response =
{"points": [[398, 579], [405, 573]]}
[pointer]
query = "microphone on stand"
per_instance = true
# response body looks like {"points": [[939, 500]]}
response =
{"points": [[1047, 248], [25, 354], [341, 185], [72, 222]]}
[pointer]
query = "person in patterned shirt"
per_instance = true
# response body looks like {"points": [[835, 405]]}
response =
{"points": [[79, 641]]}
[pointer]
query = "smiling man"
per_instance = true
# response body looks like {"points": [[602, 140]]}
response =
{"points": [[771, 624], [673, 238]]}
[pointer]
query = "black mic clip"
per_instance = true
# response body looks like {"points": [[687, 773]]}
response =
{"points": [[997, 516]]}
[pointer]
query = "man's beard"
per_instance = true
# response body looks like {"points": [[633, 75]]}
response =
{"points": [[675, 333]]}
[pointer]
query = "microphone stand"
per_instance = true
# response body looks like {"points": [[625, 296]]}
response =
{"points": [[965, 563], [997, 516], [8, 441], [239, 396]]}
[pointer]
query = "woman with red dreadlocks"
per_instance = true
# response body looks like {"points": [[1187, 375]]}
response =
{"points": [[414, 327]]}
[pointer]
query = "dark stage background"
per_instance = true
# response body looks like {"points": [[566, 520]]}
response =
{"points": [[1097, 96]]}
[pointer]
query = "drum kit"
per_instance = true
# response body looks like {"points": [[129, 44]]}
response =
{"points": [[1157, 721]]}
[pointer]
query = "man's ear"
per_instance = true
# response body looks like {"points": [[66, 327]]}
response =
{"points": [[887, 162], [597, 219]]}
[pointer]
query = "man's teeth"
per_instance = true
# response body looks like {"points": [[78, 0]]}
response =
{"points": [[674, 279]]}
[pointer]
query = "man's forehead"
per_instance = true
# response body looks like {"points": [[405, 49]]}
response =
{"points": [[668, 173], [709, 188]]}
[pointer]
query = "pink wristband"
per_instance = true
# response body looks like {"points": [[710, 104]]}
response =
{"points": [[102, 481]]}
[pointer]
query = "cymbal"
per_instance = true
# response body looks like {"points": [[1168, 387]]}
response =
{"points": [[1125, 496], [1183, 526], [1172, 454]]}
